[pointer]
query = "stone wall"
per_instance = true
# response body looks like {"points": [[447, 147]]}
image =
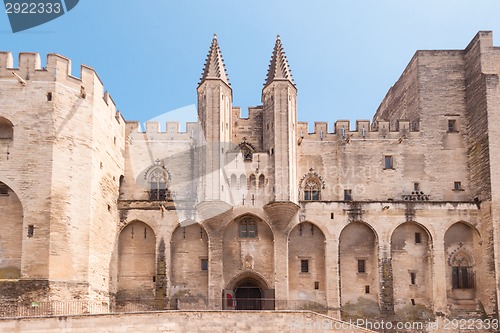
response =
{"points": [[184, 321]]}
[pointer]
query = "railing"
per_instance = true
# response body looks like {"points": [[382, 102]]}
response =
{"points": [[14, 308]]}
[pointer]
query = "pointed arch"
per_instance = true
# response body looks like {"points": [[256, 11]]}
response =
{"points": [[136, 261], [6, 129], [248, 245], [11, 233], [189, 265], [463, 252], [411, 253], [311, 185], [158, 180], [358, 251], [306, 263]]}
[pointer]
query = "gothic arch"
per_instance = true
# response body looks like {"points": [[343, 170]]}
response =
{"points": [[189, 265], [6, 129], [136, 261], [310, 186], [11, 233], [246, 275], [411, 253], [246, 149], [158, 181], [248, 245], [306, 263], [358, 251], [463, 253]]}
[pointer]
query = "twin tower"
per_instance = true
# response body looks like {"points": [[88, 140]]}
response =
{"points": [[270, 131]]}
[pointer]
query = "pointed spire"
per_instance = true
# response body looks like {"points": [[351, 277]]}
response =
{"points": [[278, 67], [214, 65]]}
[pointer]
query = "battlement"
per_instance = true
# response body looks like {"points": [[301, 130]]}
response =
{"points": [[57, 69], [172, 132], [364, 130]]}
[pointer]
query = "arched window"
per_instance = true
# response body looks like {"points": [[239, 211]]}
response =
{"points": [[248, 228], [157, 179], [246, 152], [252, 182], [233, 181], [262, 182], [312, 189], [461, 271], [243, 182], [6, 129], [246, 149]]}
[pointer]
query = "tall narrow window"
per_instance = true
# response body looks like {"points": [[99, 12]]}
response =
{"points": [[457, 186], [31, 231], [204, 264], [418, 238], [416, 186], [413, 278], [158, 184], [304, 266], [388, 162], [462, 275], [361, 266], [311, 190]]}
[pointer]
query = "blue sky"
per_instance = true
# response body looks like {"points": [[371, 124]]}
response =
{"points": [[344, 55]]}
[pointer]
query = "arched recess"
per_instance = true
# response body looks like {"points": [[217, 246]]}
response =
{"points": [[6, 129], [463, 257], [411, 253], [11, 233], [358, 252], [136, 261], [190, 266], [248, 246], [306, 263]]}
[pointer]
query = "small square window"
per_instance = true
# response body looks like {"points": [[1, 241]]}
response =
{"points": [[388, 162], [316, 285], [347, 195], [304, 266], [452, 125], [418, 238], [367, 289], [204, 264], [361, 266], [457, 186]]}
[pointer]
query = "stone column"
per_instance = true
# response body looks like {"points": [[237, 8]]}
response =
{"points": [[215, 271], [281, 270], [439, 267], [332, 272], [386, 286]]}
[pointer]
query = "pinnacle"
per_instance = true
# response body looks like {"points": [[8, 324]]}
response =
{"points": [[214, 65], [278, 67]]}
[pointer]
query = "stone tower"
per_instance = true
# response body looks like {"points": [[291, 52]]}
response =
{"points": [[214, 112], [279, 97]]}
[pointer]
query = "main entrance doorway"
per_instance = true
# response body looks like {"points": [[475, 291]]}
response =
{"points": [[248, 291], [248, 296]]}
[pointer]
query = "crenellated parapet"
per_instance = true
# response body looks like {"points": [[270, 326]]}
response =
{"points": [[58, 69], [364, 130], [172, 130]]}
